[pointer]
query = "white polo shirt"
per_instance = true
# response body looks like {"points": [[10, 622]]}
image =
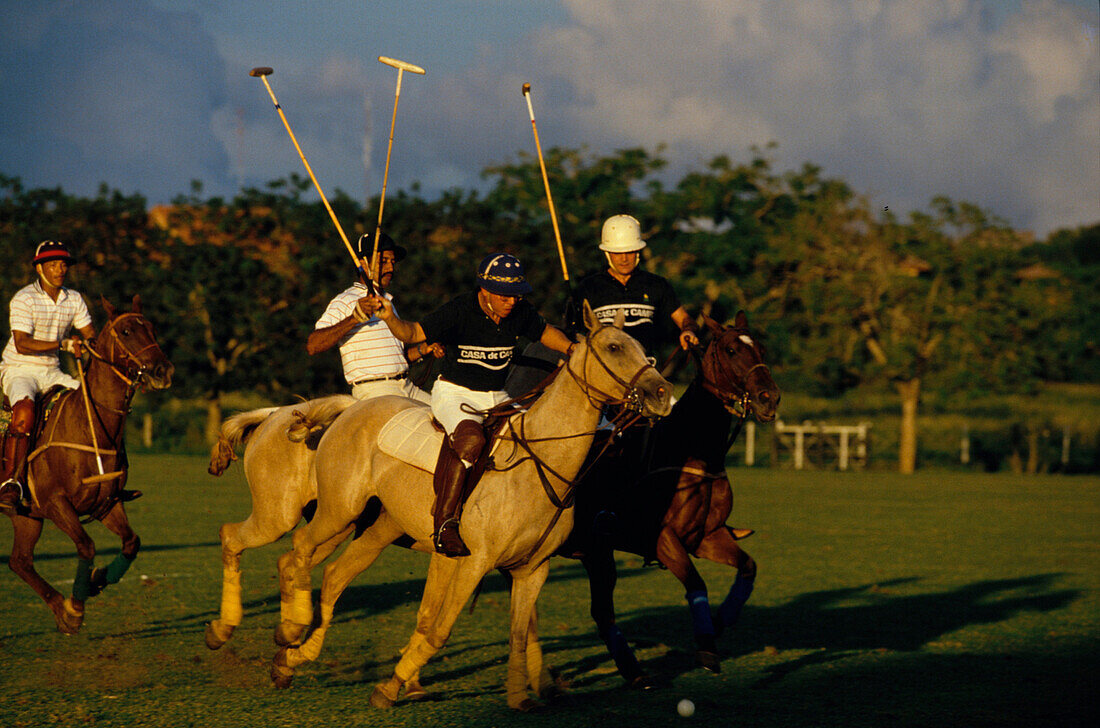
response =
{"points": [[369, 350], [33, 312]]}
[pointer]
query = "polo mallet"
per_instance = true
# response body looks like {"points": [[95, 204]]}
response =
{"points": [[546, 182], [401, 67], [262, 72], [102, 477]]}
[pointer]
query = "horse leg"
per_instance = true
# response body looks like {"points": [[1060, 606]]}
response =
{"points": [[440, 571], [355, 559], [295, 584], [64, 516], [117, 523], [721, 547], [525, 593], [464, 578], [26, 534], [539, 677], [259, 529], [599, 564], [672, 554]]}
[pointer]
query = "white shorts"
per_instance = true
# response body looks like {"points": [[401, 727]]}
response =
{"points": [[22, 381], [448, 400], [400, 387]]}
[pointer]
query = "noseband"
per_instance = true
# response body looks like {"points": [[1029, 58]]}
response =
{"points": [[632, 397]]}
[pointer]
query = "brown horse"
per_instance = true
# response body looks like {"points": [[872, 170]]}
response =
{"points": [[664, 495], [65, 471]]}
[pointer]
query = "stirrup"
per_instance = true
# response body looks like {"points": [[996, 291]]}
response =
{"points": [[448, 541], [14, 503]]}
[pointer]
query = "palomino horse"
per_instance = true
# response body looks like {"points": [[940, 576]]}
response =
{"points": [[64, 473], [279, 478], [669, 501], [516, 518]]}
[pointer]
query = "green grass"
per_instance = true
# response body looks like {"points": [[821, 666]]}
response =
{"points": [[942, 598]]}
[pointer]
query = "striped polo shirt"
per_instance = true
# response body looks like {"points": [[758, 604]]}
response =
{"points": [[33, 312], [369, 350]]}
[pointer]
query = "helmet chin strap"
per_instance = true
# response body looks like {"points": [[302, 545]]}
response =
{"points": [[637, 259]]}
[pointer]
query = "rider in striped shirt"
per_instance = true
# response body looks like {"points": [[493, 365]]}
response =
{"points": [[42, 316], [374, 362]]}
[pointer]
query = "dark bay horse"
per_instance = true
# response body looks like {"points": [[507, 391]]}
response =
{"points": [[64, 475], [664, 495]]}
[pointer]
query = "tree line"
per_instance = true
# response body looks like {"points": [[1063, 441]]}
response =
{"points": [[950, 300]]}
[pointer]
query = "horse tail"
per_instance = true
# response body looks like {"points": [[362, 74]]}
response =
{"points": [[233, 432], [315, 417]]}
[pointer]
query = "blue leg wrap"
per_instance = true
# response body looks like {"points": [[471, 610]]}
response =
{"points": [[82, 584], [117, 568], [730, 609], [700, 612]]}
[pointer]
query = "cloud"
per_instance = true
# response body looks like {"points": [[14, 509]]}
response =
{"points": [[905, 99], [137, 117]]}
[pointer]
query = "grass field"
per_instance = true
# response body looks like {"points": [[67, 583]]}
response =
{"points": [[931, 600]]}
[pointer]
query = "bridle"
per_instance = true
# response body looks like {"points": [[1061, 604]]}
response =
{"points": [[632, 398], [135, 370], [734, 396]]}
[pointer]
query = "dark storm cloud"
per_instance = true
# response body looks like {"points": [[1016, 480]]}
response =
{"points": [[110, 92]]}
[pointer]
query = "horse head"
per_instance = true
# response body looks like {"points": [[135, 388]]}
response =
{"points": [[734, 370], [128, 343], [612, 368]]}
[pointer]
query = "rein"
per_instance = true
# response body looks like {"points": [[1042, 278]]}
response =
{"points": [[631, 399]]}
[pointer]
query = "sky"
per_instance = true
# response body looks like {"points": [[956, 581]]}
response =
{"points": [[993, 102]]}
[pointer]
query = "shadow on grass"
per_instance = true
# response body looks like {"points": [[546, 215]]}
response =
{"points": [[837, 623]]}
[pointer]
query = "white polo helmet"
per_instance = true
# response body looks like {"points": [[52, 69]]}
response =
{"points": [[621, 234]]}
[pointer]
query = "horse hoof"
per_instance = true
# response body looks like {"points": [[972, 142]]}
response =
{"points": [[643, 683], [98, 581], [527, 705], [379, 699], [68, 618], [415, 691], [289, 634], [281, 676], [214, 637], [709, 661]]}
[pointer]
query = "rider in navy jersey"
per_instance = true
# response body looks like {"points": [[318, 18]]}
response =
{"points": [[478, 331], [648, 300]]}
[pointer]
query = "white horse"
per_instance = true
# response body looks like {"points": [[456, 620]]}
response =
{"points": [[279, 475], [516, 518]]}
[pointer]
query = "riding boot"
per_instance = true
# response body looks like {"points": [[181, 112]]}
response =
{"points": [[12, 491], [450, 478]]}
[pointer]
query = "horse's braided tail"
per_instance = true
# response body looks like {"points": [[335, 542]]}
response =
{"points": [[314, 416], [234, 431]]}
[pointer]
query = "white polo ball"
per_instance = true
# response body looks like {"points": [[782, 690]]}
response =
{"points": [[685, 708]]}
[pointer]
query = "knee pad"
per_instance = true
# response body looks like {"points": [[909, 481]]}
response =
{"points": [[468, 440]]}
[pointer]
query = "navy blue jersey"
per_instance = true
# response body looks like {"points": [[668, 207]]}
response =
{"points": [[647, 300], [479, 351]]}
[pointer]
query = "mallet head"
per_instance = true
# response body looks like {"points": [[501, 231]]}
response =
{"points": [[261, 71], [401, 65], [526, 89]]}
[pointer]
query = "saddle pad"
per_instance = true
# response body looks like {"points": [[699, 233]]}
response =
{"points": [[411, 437]]}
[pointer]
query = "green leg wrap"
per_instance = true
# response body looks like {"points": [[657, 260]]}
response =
{"points": [[82, 584], [117, 568]]}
